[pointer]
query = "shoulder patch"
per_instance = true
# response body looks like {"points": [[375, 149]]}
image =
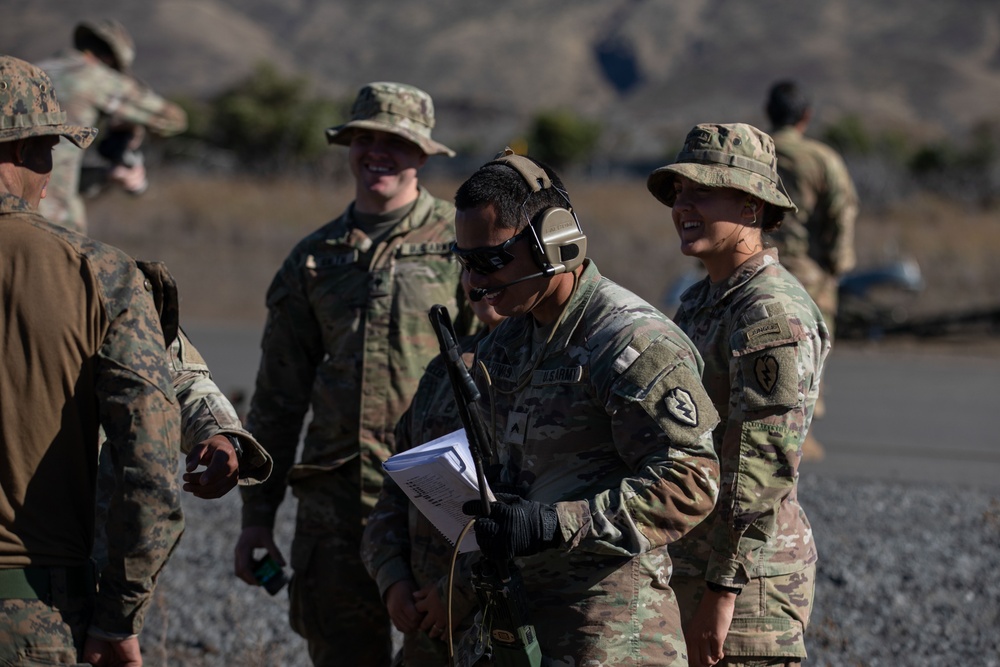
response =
{"points": [[681, 406], [766, 368], [770, 378], [764, 326]]}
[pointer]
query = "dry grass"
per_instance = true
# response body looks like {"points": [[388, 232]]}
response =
{"points": [[224, 238]]}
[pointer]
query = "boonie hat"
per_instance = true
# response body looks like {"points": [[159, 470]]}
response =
{"points": [[736, 156], [28, 105], [396, 108], [112, 33]]}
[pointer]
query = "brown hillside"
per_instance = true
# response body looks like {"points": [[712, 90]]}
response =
{"points": [[929, 67]]}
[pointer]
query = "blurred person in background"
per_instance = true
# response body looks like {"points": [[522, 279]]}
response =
{"points": [[348, 336], [404, 553], [94, 83], [745, 578], [816, 242], [80, 348]]}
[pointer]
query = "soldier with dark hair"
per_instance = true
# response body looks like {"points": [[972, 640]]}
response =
{"points": [[601, 427], [94, 82], [348, 335], [816, 242], [81, 347]]}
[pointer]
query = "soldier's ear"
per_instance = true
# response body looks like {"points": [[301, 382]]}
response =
{"points": [[19, 151]]}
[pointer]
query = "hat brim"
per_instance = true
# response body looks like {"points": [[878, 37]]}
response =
{"points": [[661, 182], [341, 135], [77, 134]]}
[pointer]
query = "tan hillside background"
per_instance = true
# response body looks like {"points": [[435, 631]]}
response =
{"points": [[924, 65], [930, 70]]}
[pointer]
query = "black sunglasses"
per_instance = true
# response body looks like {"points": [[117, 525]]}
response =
{"points": [[489, 259]]}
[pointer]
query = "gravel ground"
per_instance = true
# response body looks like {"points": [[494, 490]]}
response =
{"points": [[907, 576]]}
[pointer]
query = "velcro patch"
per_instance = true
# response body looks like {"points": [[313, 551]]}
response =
{"points": [[770, 378], [413, 249], [765, 368], [681, 406], [328, 261], [516, 432], [380, 282], [567, 375], [625, 359], [500, 371]]}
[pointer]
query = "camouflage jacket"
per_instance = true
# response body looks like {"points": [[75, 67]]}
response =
{"points": [[399, 542], [87, 90], [81, 312], [817, 180], [348, 335], [205, 410], [764, 344], [610, 423]]}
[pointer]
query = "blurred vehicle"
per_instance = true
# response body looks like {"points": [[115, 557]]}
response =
{"points": [[877, 300], [873, 301]]}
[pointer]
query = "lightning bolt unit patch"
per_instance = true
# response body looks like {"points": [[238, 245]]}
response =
{"points": [[766, 369], [681, 406]]}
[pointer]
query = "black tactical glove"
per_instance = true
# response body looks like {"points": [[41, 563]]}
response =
{"points": [[515, 526]]}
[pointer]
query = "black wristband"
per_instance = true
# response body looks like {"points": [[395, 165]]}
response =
{"points": [[719, 588], [236, 446]]}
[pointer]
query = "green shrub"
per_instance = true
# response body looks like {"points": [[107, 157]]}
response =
{"points": [[561, 138], [848, 135], [271, 122]]}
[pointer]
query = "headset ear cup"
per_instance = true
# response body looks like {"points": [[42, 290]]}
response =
{"points": [[562, 243]]}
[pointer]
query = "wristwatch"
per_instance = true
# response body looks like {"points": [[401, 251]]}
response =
{"points": [[236, 445]]}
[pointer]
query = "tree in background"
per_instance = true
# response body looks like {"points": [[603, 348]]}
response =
{"points": [[562, 139], [266, 123]]}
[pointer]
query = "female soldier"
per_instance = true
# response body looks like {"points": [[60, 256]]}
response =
{"points": [[745, 577]]}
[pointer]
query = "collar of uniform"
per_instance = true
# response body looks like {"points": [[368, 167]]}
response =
{"points": [[13, 204], [585, 288], [741, 275], [349, 234], [786, 133]]}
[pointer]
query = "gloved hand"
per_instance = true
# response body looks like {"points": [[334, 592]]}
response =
{"points": [[515, 526]]}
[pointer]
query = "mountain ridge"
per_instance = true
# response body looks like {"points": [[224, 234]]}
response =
{"points": [[646, 70]]}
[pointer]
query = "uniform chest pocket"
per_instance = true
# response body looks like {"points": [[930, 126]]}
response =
{"points": [[420, 281]]}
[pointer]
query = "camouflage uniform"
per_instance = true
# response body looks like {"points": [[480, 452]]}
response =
{"points": [[610, 423], [816, 243], [82, 346], [205, 410], [399, 543], [764, 342], [347, 334], [88, 90]]}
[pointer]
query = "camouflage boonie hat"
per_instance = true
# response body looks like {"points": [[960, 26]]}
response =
{"points": [[725, 156], [28, 105], [112, 33], [396, 108]]}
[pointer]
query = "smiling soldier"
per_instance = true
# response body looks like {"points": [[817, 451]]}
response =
{"points": [[348, 336]]}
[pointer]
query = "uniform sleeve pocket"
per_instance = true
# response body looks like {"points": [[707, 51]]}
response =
{"points": [[770, 378]]}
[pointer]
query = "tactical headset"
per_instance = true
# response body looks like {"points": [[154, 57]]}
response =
{"points": [[558, 242]]}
